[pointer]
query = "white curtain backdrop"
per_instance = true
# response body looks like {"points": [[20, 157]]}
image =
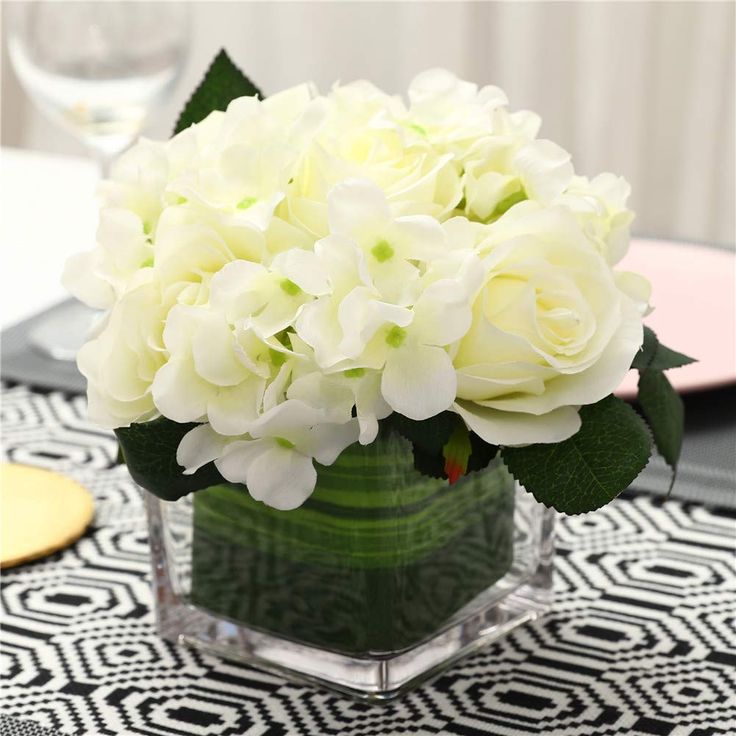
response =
{"points": [[644, 89]]}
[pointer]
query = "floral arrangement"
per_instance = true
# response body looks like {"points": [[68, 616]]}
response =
{"points": [[288, 276]]}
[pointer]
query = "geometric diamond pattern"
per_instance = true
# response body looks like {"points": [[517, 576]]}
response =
{"points": [[641, 638]]}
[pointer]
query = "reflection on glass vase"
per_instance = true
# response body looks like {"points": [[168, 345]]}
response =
{"points": [[382, 578]]}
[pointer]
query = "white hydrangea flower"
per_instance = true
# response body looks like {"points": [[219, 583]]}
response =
{"points": [[192, 244], [262, 299], [288, 272], [276, 461], [138, 181], [121, 261], [121, 360], [382, 312], [450, 112], [357, 389], [505, 170], [213, 372]]}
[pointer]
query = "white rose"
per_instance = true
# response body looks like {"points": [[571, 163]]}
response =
{"points": [[551, 330]]}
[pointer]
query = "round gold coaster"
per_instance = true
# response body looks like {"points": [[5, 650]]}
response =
{"points": [[40, 512]]}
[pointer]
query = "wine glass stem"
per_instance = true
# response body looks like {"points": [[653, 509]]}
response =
{"points": [[104, 161]]}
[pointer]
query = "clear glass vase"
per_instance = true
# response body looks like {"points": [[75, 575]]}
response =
{"points": [[382, 578]]}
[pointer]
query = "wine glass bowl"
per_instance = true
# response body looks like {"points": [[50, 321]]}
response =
{"points": [[98, 68]]}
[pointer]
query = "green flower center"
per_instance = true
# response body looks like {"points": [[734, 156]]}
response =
{"points": [[283, 442], [354, 372], [396, 336], [289, 287], [506, 204], [245, 203], [277, 358], [382, 251]]}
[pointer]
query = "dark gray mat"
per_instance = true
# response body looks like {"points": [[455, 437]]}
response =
{"points": [[20, 362]]}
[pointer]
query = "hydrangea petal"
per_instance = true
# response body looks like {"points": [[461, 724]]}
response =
{"points": [[419, 381], [356, 205], [198, 447], [279, 476]]}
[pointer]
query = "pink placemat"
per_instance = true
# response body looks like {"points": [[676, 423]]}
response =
{"points": [[694, 300]]}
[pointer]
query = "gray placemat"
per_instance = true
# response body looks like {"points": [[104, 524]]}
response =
{"points": [[20, 362]]}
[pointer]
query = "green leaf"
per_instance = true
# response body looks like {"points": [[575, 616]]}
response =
{"points": [[430, 435], [456, 452], [482, 453], [222, 83], [590, 468], [150, 454], [653, 355], [431, 464], [664, 411]]}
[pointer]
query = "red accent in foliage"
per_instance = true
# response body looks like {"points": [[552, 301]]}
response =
{"points": [[453, 471]]}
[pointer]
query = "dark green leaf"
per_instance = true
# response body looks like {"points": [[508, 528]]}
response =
{"points": [[653, 355], [590, 468], [664, 412], [222, 83], [647, 351], [457, 452], [431, 464], [666, 358], [431, 435], [150, 454], [482, 453]]}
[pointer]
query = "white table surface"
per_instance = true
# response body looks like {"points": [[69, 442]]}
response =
{"points": [[48, 211]]}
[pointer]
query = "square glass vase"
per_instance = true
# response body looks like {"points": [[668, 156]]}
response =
{"points": [[383, 578]]}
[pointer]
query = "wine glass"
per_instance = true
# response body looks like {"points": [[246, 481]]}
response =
{"points": [[95, 68]]}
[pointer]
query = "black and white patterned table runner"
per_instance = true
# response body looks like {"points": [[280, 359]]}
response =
{"points": [[641, 639]]}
